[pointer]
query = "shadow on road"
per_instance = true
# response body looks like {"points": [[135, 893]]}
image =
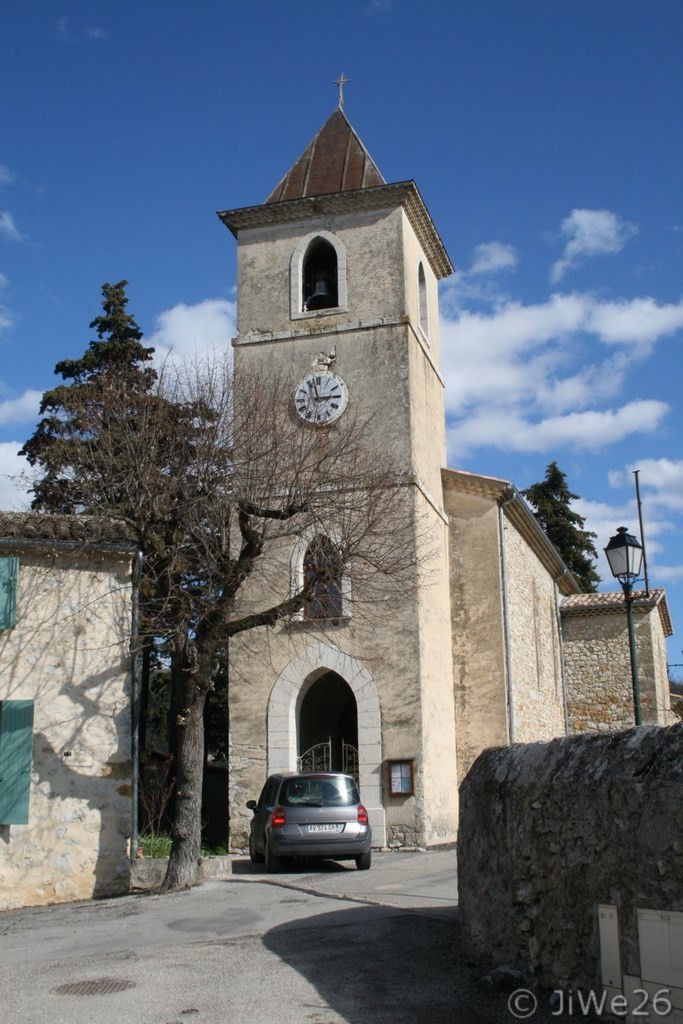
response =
{"points": [[372, 965], [377, 965]]}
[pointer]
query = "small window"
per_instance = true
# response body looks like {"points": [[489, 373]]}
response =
{"points": [[401, 780], [16, 752], [320, 277], [422, 300], [9, 572], [323, 571]]}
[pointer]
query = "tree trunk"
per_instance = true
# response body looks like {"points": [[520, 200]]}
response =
{"points": [[189, 765]]}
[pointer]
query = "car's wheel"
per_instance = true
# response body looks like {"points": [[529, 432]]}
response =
{"points": [[254, 856], [273, 862], [363, 861]]}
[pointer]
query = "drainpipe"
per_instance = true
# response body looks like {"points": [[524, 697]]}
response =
{"points": [[506, 616], [135, 700], [563, 674]]}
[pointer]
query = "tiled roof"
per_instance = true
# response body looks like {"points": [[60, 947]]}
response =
{"points": [[37, 528], [334, 161], [588, 604]]}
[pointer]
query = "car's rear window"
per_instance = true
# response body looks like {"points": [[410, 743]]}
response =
{"points": [[319, 792]]}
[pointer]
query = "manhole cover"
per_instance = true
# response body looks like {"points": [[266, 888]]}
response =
{"points": [[94, 987]]}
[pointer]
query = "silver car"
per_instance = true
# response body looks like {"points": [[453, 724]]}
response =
{"points": [[310, 815]]}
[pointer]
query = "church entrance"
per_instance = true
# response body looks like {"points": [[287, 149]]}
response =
{"points": [[328, 727]]}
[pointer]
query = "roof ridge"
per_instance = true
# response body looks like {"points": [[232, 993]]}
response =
{"points": [[335, 160]]}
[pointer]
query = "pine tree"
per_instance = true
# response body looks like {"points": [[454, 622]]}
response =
{"points": [[551, 501], [117, 356]]}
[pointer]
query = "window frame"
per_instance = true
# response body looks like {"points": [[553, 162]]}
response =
{"points": [[9, 579], [407, 774], [296, 275], [301, 547], [16, 760], [422, 301]]}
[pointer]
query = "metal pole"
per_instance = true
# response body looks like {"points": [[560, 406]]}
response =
{"points": [[642, 534], [628, 595]]}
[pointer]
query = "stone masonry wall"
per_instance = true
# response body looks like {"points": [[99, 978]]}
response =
{"points": [[598, 668], [550, 830], [538, 699], [69, 653]]}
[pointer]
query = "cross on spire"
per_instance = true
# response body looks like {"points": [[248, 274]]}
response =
{"points": [[340, 83]]}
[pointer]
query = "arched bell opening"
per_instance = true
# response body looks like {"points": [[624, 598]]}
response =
{"points": [[320, 276], [327, 732]]}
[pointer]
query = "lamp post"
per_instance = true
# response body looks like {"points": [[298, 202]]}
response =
{"points": [[625, 554]]}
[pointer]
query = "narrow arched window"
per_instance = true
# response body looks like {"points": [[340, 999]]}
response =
{"points": [[422, 299], [320, 276], [323, 570]]}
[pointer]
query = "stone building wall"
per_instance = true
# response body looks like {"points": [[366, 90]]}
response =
{"points": [[598, 663], [548, 831], [536, 664], [69, 652], [477, 625]]}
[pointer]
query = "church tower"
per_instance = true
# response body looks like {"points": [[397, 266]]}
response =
{"points": [[338, 262]]}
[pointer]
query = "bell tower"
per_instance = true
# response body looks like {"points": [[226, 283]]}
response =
{"points": [[340, 266]]}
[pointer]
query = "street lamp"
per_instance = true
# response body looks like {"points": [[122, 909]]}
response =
{"points": [[625, 554]]}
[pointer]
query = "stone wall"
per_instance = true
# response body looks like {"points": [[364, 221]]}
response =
{"points": [[536, 667], [598, 663], [550, 830], [70, 653]]}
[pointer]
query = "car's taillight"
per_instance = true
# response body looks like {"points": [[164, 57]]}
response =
{"points": [[362, 815], [278, 819]]}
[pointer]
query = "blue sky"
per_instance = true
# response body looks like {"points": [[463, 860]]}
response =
{"points": [[544, 135]]}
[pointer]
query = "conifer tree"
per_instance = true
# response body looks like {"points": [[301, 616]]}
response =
{"points": [[551, 502], [56, 446]]}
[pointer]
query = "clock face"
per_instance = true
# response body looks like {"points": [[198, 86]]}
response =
{"points": [[321, 397]]}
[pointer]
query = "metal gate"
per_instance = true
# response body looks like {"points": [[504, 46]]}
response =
{"points": [[350, 761], [317, 758]]}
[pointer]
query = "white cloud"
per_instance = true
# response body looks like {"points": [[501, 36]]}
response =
{"points": [[20, 410], [660, 479], [509, 430], [6, 176], [529, 354], [64, 30], [13, 486], [492, 256], [634, 321], [8, 228], [190, 331], [591, 233]]}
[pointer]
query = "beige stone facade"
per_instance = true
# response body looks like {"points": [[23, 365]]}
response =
{"points": [[474, 656], [69, 654], [598, 663], [506, 581]]}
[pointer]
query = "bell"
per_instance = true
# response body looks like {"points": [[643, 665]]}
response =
{"points": [[322, 297]]}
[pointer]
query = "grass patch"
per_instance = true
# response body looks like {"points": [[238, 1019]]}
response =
{"points": [[155, 844]]}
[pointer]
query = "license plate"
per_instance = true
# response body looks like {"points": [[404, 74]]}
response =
{"points": [[321, 828]]}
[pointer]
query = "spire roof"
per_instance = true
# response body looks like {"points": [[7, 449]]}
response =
{"points": [[334, 161]]}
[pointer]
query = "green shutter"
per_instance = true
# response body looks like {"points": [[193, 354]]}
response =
{"points": [[16, 749], [9, 571]]}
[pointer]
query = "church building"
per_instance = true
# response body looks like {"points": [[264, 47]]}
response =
{"points": [[500, 646]]}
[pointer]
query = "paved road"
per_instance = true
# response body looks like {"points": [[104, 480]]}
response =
{"points": [[330, 946]]}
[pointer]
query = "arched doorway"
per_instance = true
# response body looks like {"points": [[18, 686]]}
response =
{"points": [[285, 701], [327, 732]]}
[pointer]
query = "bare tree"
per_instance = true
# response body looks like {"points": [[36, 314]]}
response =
{"points": [[216, 480]]}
